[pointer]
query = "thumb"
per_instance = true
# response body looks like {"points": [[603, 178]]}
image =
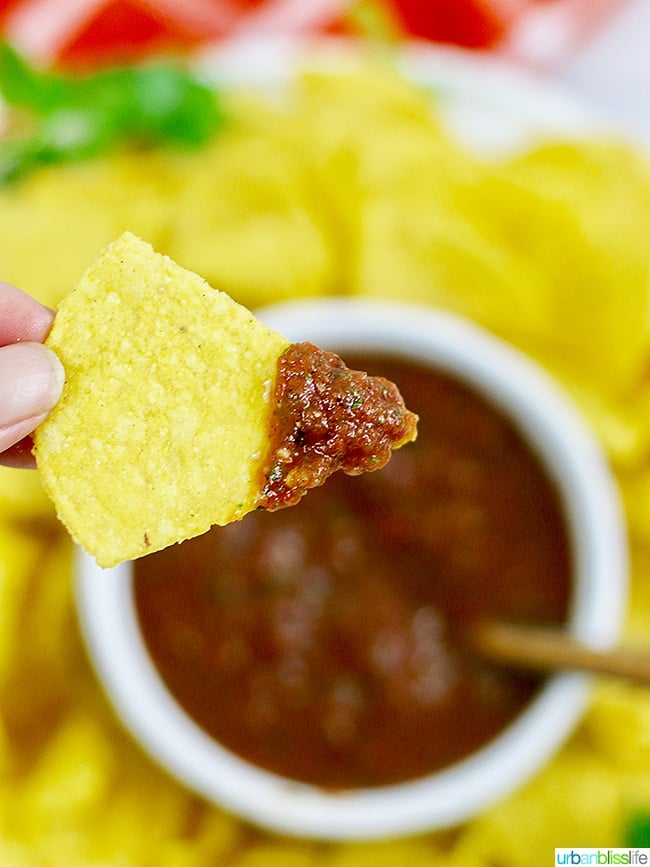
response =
{"points": [[31, 380]]}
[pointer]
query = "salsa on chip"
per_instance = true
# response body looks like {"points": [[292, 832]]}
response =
{"points": [[181, 410]]}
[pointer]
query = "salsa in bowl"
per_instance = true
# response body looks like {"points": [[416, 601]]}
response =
{"points": [[307, 668]]}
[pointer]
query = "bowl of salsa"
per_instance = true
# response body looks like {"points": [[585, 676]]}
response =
{"points": [[308, 669]]}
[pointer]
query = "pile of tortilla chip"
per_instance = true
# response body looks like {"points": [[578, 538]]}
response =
{"points": [[355, 188]]}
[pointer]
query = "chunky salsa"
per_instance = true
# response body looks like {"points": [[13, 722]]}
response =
{"points": [[328, 417], [325, 642]]}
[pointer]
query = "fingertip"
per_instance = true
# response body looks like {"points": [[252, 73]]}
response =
{"points": [[22, 318], [31, 382], [56, 375]]}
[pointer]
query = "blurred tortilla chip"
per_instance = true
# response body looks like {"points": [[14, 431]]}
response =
{"points": [[22, 497], [580, 214], [421, 252], [53, 222], [245, 219]]}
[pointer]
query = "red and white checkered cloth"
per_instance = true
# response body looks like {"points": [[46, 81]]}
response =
{"points": [[534, 31]]}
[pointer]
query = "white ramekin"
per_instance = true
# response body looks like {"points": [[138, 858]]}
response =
{"points": [[574, 460]]}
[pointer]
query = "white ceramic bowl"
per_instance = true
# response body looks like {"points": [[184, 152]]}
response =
{"points": [[448, 797]]}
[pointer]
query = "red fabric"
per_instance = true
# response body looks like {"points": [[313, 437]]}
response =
{"points": [[123, 31], [471, 23], [6, 6], [242, 5]]}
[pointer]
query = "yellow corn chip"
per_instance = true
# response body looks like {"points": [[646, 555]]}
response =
{"points": [[164, 415], [250, 212], [172, 418]]}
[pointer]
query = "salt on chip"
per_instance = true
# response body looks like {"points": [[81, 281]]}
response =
{"points": [[164, 416]]}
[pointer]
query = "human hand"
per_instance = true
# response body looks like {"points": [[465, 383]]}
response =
{"points": [[31, 376]]}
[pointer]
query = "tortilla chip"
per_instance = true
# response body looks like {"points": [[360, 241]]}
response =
{"points": [[250, 211], [22, 497], [165, 411], [70, 212]]}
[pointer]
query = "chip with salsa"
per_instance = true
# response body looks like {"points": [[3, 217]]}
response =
{"points": [[182, 410]]}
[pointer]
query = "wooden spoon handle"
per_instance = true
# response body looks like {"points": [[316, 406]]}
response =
{"points": [[545, 649]]}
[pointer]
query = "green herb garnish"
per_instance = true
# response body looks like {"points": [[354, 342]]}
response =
{"points": [[75, 117], [637, 831], [276, 473], [357, 398]]}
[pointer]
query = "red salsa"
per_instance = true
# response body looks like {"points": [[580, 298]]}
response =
{"points": [[327, 418], [324, 642]]}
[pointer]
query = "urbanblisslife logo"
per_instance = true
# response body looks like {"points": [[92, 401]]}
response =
{"points": [[602, 856]]}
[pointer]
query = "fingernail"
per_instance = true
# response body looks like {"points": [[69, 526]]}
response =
{"points": [[31, 380]]}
